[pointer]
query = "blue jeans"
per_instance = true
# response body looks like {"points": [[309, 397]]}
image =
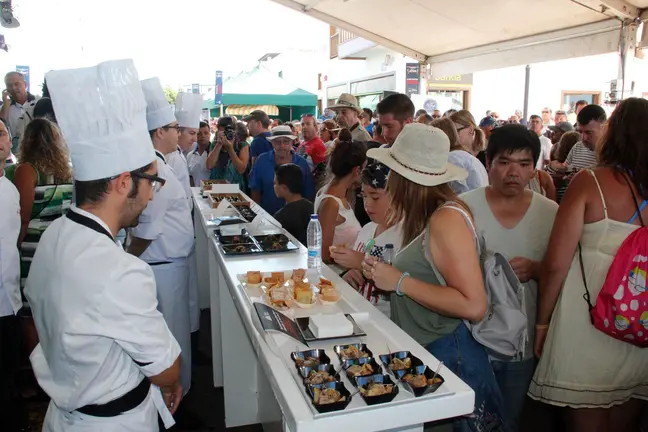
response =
{"points": [[467, 359], [513, 379]]}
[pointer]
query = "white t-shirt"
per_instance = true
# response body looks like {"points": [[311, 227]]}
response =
{"points": [[198, 166], [545, 151], [529, 239], [394, 236]]}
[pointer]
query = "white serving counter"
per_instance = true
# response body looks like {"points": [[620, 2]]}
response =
{"points": [[261, 384]]}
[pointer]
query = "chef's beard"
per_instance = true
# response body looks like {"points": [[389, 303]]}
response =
{"points": [[131, 214]]}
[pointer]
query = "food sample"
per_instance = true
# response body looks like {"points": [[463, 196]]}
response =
{"points": [[278, 295], [307, 362], [253, 277], [352, 353], [319, 377], [326, 396], [303, 293], [299, 275], [240, 248], [376, 389], [360, 370], [327, 290], [400, 364], [419, 381], [275, 278]]}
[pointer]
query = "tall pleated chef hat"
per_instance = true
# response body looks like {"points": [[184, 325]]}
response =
{"points": [[158, 110], [188, 109], [101, 111]]}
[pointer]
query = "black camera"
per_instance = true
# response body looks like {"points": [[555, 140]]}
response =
{"points": [[229, 132]]}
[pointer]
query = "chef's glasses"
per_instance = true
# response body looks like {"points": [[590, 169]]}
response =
{"points": [[156, 182]]}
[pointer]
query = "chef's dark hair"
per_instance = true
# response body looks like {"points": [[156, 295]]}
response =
{"points": [[291, 176], [94, 191], [203, 124]]}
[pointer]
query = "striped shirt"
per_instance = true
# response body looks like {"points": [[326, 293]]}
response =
{"points": [[581, 157]]}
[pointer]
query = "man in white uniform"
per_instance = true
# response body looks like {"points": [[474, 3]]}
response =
{"points": [[12, 408], [197, 159], [164, 237], [188, 112], [103, 341]]}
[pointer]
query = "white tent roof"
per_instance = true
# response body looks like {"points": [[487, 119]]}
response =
{"points": [[460, 36]]}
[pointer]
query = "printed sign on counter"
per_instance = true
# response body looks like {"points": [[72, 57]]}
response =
{"points": [[273, 320]]}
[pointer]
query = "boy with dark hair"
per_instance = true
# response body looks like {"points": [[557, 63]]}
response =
{"points": [[295, 215], [515, 222], [394, 112]]}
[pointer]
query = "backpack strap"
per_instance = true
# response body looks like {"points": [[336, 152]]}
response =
{"points": [[586, 296]]}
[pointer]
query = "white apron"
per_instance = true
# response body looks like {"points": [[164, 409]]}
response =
{"points": [[194, 307], [172, 281]]}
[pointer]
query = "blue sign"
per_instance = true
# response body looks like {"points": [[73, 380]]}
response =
{"points": [[218, 98], [195, 88], [24, 70]]}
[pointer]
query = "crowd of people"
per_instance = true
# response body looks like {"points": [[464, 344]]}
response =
{"points": [[409, 202]]}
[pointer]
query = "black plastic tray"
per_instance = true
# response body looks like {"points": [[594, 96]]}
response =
{"points": [[338, 406], [377, 370], [361, 347], [305, 371], [381, 379], [273, 243], [386, 360], [420, 391], [246, 213], [315, 353]]}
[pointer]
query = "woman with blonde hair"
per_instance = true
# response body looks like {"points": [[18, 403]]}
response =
{"points": [[459, 156], [436, 280], [471, 137]]}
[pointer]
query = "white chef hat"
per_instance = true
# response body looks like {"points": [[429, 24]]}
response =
{"points": [[158, 110], [102, 114], [188, 109]]}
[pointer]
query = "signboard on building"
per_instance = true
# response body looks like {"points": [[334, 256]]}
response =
{"points": [[457, 81], [218, 91], [412, 78], [24, 70], [195, 88]]}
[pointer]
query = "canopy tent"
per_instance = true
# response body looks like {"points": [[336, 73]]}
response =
{"points": [[261, 87], [241, 110], [466, 36]]}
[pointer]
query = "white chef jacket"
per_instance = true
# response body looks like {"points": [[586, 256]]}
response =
{"points": [[95, 310], [178, 162], [198, 166], [10, 299], [166, 220]]}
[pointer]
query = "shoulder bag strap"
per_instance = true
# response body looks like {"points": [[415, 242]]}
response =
{"points": [[634, 198], [586, 296]]}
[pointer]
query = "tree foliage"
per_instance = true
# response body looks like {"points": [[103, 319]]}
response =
{"points": [[171, 94]]}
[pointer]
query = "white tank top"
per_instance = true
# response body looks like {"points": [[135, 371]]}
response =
{"points": [[347, 232]]}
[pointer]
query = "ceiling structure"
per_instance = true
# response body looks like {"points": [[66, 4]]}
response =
{"points": [[462, 36]]}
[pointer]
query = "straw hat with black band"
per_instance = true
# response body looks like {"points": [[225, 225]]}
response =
{"points": [[420, 154], [281, 132], [346, 100]]}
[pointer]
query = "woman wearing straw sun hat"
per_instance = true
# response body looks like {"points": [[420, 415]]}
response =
{"points": [[438, 239]]}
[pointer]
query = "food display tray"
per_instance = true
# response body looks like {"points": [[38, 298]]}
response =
{"points": [[246, 213], [206, 185], [249, 244], [235, 199]]}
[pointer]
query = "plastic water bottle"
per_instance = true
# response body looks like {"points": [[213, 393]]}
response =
{"points": [[314, 243]]}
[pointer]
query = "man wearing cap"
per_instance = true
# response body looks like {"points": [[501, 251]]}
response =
{"points": [[164, 237], [559, 130], [487, 124], [103, 341], [258, 123], [348, 116], [188, 109], [263, 173]]}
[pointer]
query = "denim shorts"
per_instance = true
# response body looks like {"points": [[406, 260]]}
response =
{"points": [[467, 359]]}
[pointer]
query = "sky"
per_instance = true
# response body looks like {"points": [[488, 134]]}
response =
{"points": [[181, 41]]}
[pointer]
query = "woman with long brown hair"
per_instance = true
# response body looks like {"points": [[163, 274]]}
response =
{"points": [[600, 378], [436, 280], [461, 157], [471, 137]]}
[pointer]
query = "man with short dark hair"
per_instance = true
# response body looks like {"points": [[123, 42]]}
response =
{"points": [[367, 120], [590, 120], [394, 112], [258, 123], [579, 106], [295, 215], [197, 159], [515, 222]]}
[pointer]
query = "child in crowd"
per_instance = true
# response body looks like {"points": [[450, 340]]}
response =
{"points": [[295, 215], [376, 203]]}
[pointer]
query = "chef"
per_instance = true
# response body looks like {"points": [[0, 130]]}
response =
{"points": [[188, 111], [103, 342], [164, 237], [12, 408]]}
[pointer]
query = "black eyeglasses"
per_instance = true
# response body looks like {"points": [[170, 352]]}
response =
{"points": [[176, 127], [156, 182]]}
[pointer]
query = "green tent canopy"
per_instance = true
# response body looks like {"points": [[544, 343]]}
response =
{"points": [[261, 86]]}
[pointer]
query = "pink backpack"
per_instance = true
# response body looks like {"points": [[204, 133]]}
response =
{"points": [[621, 309]]}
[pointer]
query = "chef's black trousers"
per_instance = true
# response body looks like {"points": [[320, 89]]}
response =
{"points": [[13, 412]]}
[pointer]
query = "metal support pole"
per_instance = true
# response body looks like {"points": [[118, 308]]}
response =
{"points": [[623, 86], [221, 110], [527, 83]]}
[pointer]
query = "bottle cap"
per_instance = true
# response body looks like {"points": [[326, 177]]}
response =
{"points": [[314, 217], [389, 246]]}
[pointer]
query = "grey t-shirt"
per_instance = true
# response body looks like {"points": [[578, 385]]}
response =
{"points": [[529, 239]]}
